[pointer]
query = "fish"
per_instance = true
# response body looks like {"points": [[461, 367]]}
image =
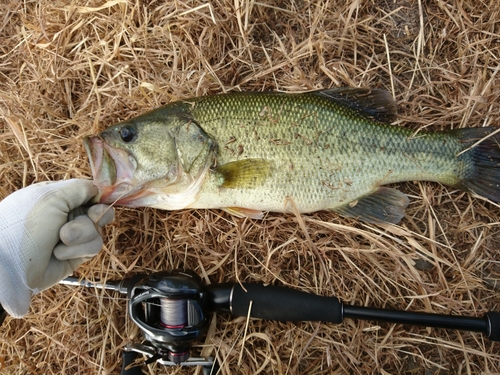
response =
{"points": [[254, 152]]}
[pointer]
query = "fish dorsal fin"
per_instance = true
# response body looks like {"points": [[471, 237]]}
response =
{"points": [[384, 205], [246, 173], [375, 104]]}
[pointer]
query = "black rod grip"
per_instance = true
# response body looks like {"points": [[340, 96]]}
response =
{"points": [[493, 330], [489, 324], [284, 304]]}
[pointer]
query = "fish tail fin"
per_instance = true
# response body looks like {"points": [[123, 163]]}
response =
{"points": [[481, 154]]}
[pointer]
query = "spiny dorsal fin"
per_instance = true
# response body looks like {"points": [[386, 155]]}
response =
{"points": [[384, 205], [246, 173], [376, 104]]}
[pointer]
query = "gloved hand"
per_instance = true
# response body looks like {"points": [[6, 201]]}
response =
{"points": [[41, 240]]}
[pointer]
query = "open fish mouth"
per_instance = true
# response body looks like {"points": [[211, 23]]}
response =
{"points": [[113, 171]]}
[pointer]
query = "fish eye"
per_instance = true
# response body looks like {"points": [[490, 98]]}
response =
{"points": [[128, 134]]}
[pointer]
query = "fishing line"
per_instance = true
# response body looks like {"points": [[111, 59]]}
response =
{"points": [[173, 313]]}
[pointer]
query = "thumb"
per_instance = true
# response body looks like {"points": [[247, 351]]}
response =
{"points": [[74, 192]]}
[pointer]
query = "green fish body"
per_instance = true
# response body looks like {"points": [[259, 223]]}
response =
{"points": [[253, 152]]}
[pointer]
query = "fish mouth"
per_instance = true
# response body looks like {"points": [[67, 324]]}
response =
{"points": [[113, 171]]}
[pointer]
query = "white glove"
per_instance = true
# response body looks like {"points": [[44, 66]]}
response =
{"points": [[38, 245]]}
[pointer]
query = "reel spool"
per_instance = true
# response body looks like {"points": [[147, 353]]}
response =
{"points": [[169, 309]]}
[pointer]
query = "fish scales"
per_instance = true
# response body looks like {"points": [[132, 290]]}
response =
{"points": [[253, 152], [322, 154]]}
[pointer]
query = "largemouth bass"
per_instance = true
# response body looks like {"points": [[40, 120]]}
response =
{"points": [[247, 153]]}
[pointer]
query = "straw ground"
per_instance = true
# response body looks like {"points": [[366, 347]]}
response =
{"points": [[69, 69]]}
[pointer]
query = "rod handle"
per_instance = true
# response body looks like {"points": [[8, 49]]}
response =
{"points": [[284, 304], [493, 331]]}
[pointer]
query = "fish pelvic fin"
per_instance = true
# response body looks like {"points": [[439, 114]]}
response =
{"points": [[384, 205], [375, 104], [246, 173], [481, 158], [244, 212]]}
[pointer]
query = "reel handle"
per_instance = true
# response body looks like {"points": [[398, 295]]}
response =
{"points": [[128, 357]]}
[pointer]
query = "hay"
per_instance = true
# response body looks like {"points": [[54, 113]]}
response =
{"points": [[68, 69]]}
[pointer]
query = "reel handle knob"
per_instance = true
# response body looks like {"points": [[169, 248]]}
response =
{"points": [[128, 357]]}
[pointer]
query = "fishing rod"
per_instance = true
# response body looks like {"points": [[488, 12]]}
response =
{"points": [[171, 310]]}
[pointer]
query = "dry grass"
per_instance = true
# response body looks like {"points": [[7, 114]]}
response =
{"points": [[68, 69]]}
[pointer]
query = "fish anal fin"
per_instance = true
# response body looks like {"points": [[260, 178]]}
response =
{"points": [[244, 212], [384, 205], [376, 104], [246, 173]]}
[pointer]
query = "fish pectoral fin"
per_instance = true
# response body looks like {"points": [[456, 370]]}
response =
{"points": [[246, 173], [384, 205], [244, 212], [376, 104]]}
